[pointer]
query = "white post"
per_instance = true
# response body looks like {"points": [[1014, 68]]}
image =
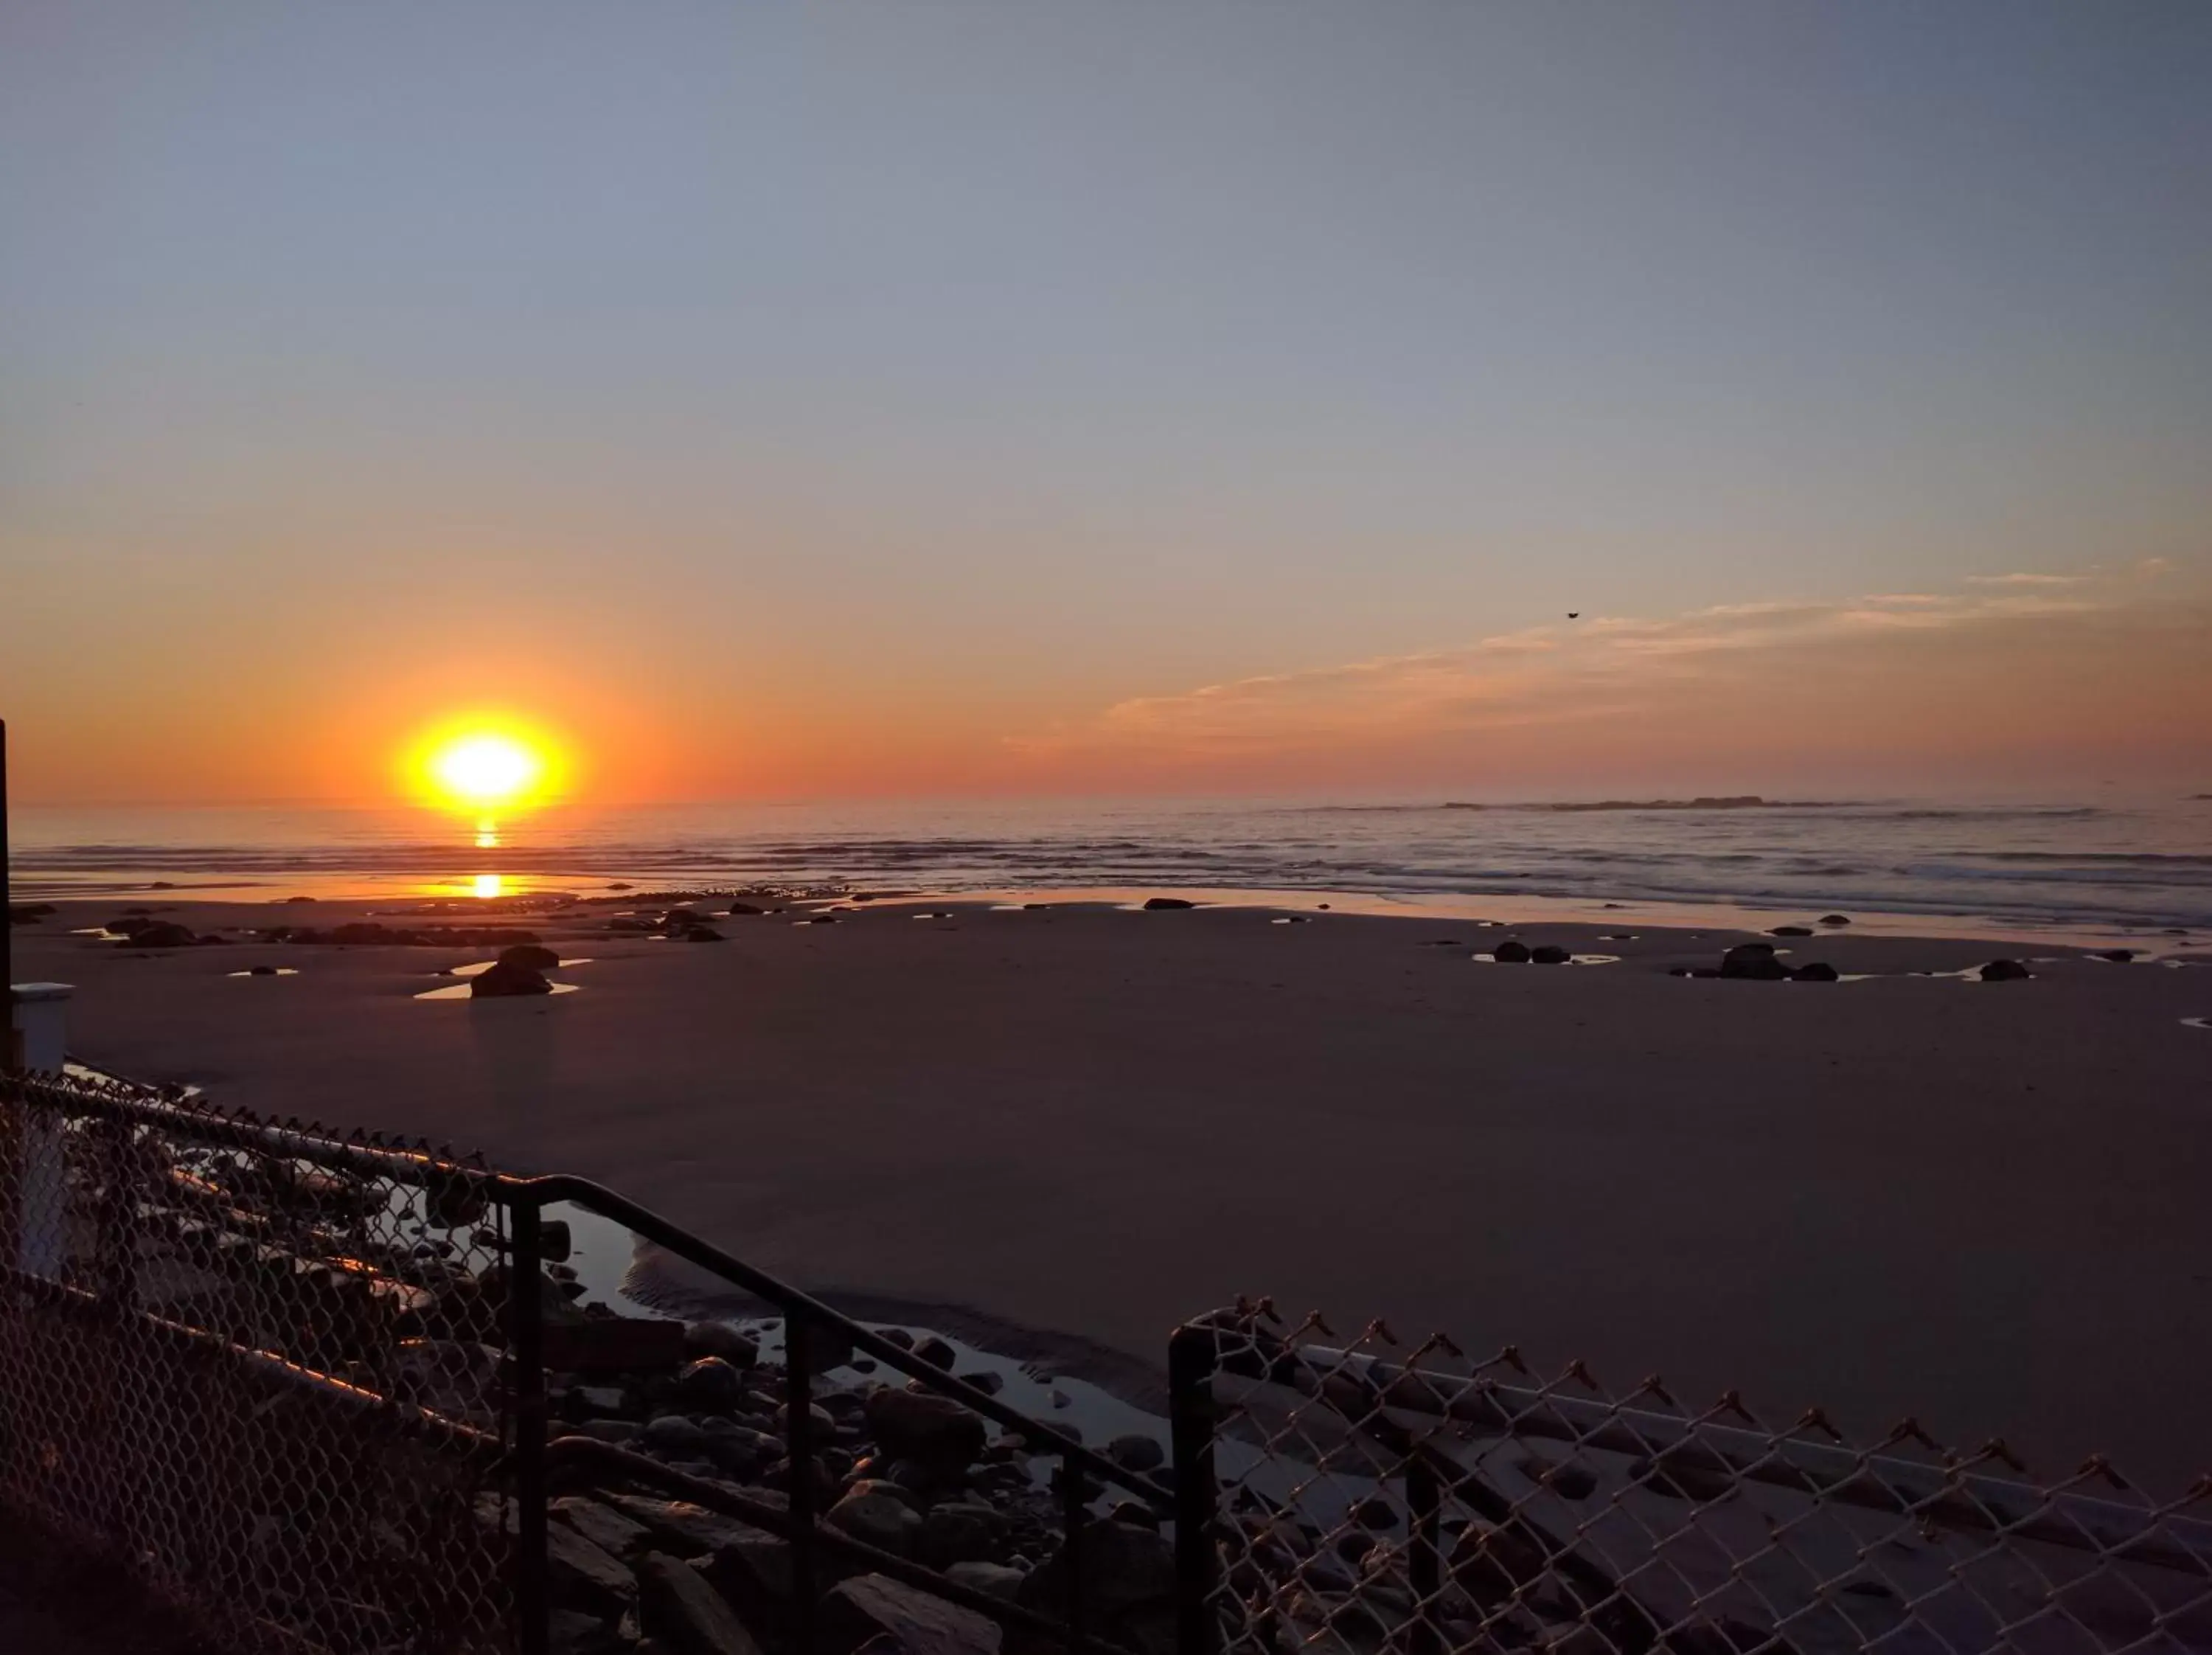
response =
{"points": [[41, 1018]]}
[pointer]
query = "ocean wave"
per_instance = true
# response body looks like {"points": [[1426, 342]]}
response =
{"points": [[2053, 861]]}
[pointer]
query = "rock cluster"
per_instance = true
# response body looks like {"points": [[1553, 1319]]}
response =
{"points": [[1757, 962], [1512, 952], [139, 931], [900, 1469]]}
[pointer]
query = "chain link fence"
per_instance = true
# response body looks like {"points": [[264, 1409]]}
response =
{"points": [[1368, 1496], [281, 1380], [259, 1368]]}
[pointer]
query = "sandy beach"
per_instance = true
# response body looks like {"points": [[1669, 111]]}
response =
{"points": [[1978, 1203]]}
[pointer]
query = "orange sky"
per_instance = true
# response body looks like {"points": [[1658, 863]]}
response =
{"points": [[2041, 680], [972, 398]]}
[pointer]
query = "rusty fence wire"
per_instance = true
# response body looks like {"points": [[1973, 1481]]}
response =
{"points": [[259, 1368], [1367, 1495]]}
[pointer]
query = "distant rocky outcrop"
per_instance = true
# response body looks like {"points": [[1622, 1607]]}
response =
{"points": [[1161, 904], [503, 979], [2005, 971]]}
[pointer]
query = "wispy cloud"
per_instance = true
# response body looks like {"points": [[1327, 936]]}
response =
{"points": [[1697, 679]]}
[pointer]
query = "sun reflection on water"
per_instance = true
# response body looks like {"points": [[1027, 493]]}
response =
{"points": [[488, 885]]}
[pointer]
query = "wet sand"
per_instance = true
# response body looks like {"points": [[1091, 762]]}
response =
{"points": [[1979, 1204]]}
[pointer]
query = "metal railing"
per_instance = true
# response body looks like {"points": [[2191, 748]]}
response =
{"points": [[1368, 1496], [816, 1338], [303, 1388]]}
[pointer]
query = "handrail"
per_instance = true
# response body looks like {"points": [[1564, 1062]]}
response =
{"points": [[662, 1232]]}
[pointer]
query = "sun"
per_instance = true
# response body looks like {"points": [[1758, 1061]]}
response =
{"points": [[481, 771], [483, 766]]}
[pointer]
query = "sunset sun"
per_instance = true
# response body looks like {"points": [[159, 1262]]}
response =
{"points": [[484, 770], [483, 765]]}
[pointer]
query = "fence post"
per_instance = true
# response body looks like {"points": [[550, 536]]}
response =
{"points": [[527, 1349], [1191, 1363], [1074, 1512], [799, 1454], [1423, 1574]]}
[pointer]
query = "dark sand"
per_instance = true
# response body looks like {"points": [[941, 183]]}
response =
{"points": [[1980, 1204]]}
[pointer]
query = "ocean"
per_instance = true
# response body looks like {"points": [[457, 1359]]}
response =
{"points": [[2058, 866]]}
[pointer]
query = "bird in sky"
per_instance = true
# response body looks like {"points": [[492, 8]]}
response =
{"points": [[1574, 614]]}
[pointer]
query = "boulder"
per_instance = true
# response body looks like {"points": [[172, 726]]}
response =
{"points": [[676, 1433], [1136, 1453], [1816, 970], [738, 1449], [710, 1386], [754, 1572], [677, 1607], [702, 933], [1754, 961], [732, 1345], [160, 933], [607, 1528], [584, 1576], [535, 956], [1791, 931], [937, 1434], [683, 1528], [1566, 1478], [504, 979], [2005, 971], [1835, 919], [1123, 1566], [870, 1514], [1549, 954], [2117, 956], [261, 971], [741, 910], [996, 1578], [989, 1383], [1166, 905], [870, 1606], [572, 1632], [960, 1532], [935, 1352], [1509, 953]]}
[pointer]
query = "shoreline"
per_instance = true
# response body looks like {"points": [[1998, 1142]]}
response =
{"points": [[1505, 908]]}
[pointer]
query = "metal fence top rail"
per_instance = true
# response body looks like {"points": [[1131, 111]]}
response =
{"points": [[372, 1153]]}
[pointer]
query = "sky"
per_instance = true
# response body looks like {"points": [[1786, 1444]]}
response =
{"points": [[853, 399]]}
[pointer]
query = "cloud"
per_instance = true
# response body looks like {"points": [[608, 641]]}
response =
{"points": [[1893, 669]]}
